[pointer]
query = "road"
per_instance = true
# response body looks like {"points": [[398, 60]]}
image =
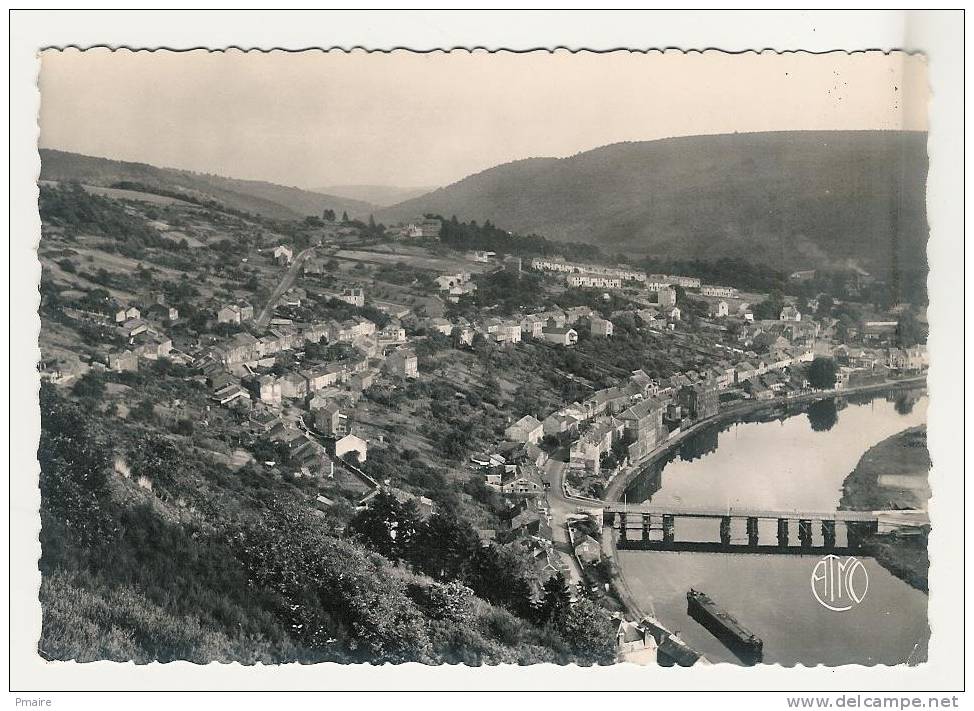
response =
{"points": [[287, 281], [560, 507]]}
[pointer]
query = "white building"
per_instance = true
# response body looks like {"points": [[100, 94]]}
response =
{"points": [[351, 443], [594, 281]]}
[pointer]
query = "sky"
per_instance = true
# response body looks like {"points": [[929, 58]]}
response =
{"points": [[313, 119]]}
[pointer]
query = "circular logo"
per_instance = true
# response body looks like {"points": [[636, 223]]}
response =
{"points": [[839, 584]]}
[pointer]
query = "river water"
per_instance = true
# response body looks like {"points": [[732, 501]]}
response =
{"points": [[783, 461]]}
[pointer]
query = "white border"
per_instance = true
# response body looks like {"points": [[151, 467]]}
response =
{"points": [[937, 34]]}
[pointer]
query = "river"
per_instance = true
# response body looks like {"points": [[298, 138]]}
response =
{"points": [[798, 460]]}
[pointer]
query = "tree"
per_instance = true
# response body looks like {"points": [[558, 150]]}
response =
{"points": [[555, 600], [444, 546], [388, 526], [158, 459], [825, 304], [344, 216], [822, 373], [909, 331], [91, 386], [74, 467], [587, 628]]}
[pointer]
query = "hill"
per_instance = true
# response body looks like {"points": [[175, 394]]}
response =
{"points": [[268, 199], [789, 199], [379, 195]]}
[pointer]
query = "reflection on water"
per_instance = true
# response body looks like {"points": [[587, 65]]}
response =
{"points": [[781, 460], [823, 415]]}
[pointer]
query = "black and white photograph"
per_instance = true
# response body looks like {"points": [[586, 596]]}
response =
{"points": [[480, 358]]}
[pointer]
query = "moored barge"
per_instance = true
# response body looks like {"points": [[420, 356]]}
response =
{"points": [[738, 638]]}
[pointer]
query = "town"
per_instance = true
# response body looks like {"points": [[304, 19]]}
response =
{"points": [[404, 373]]}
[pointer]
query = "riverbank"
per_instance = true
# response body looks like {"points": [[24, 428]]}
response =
{"points": [[621, 481], [894, 474]]}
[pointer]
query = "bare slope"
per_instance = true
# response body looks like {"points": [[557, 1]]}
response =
{"points": [[268, 199]]}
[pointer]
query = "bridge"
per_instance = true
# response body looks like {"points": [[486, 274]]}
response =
{"points": [[653, 527]]}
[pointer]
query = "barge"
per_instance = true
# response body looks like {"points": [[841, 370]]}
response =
{"points": [[735, 636]]}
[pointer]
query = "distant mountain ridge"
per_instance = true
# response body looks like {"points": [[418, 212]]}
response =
{"points": [[786, 199], [379, 195], [268, 199]]}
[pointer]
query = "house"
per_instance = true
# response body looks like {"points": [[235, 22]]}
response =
{"points": [[319, 377], [700, 400], [588, 550], [643, 426], [879, 330], [240, 348], [294, 385], [235, 313], [532, 325], [132, 327], [269, 389], [666, 297], [456, 285], [525, 480], [351, 443], [727, 292], [790, 313], [600, 327], [440, 325], [127, 314], [560, 335], [283, 254], [123, 361], [311, 459], [673, 314], [360, 382], [329, 420], [480, 256], [717, 309], [527, 429], [353, 295], [524, 524], [593, 281], [586, 452], [560, 424], [642, 383], [757, 389], [403, 363], [151, 345], [465, 335], [226, 395], [575, 313], [553, 317], [744, 371], [635, 644]]}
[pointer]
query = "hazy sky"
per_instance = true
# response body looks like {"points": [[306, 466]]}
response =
{"points": [[314, 119]]}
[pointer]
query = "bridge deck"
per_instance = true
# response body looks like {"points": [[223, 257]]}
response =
{"points": [[917, 518]]}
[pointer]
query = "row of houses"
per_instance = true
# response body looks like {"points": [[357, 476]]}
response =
{"points": [[656, 282], [282, 336], [616, 274]]}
